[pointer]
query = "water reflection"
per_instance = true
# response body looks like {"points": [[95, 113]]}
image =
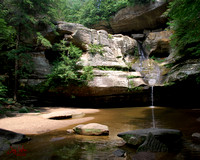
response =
{"points": [[57, 145]]}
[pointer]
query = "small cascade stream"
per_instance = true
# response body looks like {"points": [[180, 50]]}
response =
{"points": [[152, 108], [142, 55], [151, 95], [151, 74]]}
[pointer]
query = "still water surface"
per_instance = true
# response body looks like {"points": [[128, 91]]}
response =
{"points": [[57, 145]]}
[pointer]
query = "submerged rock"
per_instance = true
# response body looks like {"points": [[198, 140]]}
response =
{"points": [[8, 138], [196, 135], [70, 131], [92, 129], [119, 153], [152, 139], [4, 145]]}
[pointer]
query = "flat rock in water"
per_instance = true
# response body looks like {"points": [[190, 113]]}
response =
{"points": [[64, 114], [152, 139], [92, 129]]}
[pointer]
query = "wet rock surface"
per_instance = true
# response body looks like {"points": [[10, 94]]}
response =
{"points": [[152, 139], [8, 138]]}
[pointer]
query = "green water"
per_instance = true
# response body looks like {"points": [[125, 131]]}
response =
{"points": [[57, 145]]}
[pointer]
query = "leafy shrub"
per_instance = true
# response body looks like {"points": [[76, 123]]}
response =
{"points": [[96, 48], [23, 110], [65, 70], [134, 2], [3, 91]]}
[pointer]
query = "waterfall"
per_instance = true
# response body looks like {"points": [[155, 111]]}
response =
{"points": [[153, 117], [151, 74], [141, 51], [151, 95], [152, 109]]}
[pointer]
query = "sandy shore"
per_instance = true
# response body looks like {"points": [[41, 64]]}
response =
{"points": [[35, 123]]}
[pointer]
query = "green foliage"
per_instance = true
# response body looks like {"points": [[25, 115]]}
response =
{"points": [[140, 2], [87, 74], [23, 110], [20, 20], [158, 60], [133, 88], [131, 76], [6, 32], [96, 48], [170, 65], [169, 84], [198, 80], [106, 68], [3, 90], [69, 152], [66, 71], [185, 22], [43, 41], [25, 60], [90, 12], [119, 57], [110, 36]]}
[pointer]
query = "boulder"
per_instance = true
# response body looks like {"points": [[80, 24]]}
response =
{"points": [[139, 17], [152, 139], [138, 36], [158, 44], [8, 138], [182, 70], [4, 145], [92, 129], [70, 131], [67, 28], [196, 135]]}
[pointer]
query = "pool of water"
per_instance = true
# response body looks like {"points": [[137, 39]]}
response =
{"points": [[58, 145]]}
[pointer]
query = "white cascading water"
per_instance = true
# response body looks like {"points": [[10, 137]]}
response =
{"points": [[152, 82], [151, 95], [150, 72], [152, 109]]}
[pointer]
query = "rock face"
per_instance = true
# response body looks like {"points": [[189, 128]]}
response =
{"points": [[41, 68], [117, 52], [117, 66], [92, 129], [182, 70], [137, 18], [152, 139], [157, 44]]}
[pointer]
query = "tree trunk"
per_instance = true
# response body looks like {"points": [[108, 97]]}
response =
{"points": [[16, 67]]}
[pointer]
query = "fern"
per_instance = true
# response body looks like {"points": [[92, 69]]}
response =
{"points": [[43, 41]]}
